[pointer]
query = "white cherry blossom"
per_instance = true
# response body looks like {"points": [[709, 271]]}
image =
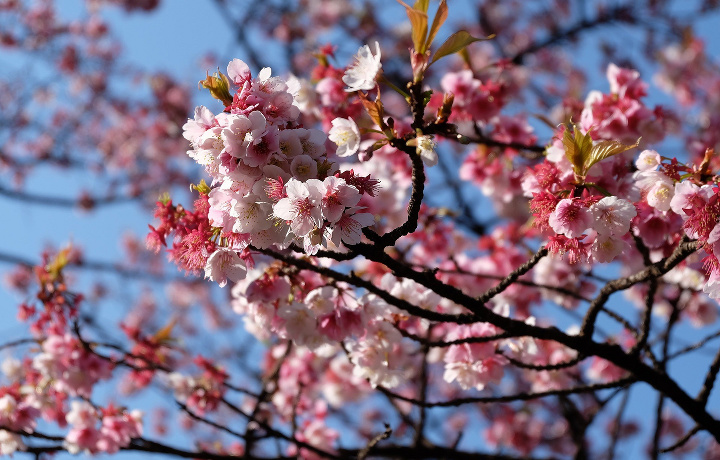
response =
{"points": [[346, 135], [612, 216], [224, 264], [363, 71]]}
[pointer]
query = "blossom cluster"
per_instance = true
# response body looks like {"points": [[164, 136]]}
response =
{"points": [[17, 415], [202, 393], [69, 366], [58, 383], [106, 430], [272, 180]]}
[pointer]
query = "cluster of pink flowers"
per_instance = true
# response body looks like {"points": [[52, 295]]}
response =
{"points": [[621, 115], [203, 393], [67, 365], [525, 430], [63, 372], [473, 365], [474, 99], [273, 182], [300, 308], [18, 415], [94, 430], [593, 227], [337, 328], [678, 193], [315, 432]]}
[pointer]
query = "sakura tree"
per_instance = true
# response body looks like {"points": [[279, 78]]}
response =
{"points": [[462, 230]]}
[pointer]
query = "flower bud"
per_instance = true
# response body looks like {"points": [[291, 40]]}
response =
{"points": [[419, 62]]}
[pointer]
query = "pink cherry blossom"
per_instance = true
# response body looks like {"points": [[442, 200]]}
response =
{"points": [[348, 228], [607, 247], [689, 196], [570, 218], [337, 196], [302, 206], [426, 149], [239, 72], [648, 160]]}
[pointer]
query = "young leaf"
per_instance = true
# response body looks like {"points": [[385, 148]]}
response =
{"points": [[419, 24], [605, 149], [61, 259], [440, 17], [455, 43], [577, 147], [164, 335], [422, 5]]}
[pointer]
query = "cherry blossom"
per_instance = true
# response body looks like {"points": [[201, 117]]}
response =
{"points": [[361, 75], [612, 216], [223, 265], [345, 134], [426, 149], [302, 206], [570, 218]]}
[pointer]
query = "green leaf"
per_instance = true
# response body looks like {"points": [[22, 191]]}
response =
{"points": [[426, 96], [456, 42], [605, 149], [438, 20]]}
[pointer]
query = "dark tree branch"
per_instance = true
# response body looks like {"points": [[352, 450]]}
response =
{"points": [[655, 270], [373, 442], [709, 383], [615, 436], [510, 398]]}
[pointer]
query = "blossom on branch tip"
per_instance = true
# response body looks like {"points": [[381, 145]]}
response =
{"points": [[239, 72], [349, 228], [363, 71]]}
